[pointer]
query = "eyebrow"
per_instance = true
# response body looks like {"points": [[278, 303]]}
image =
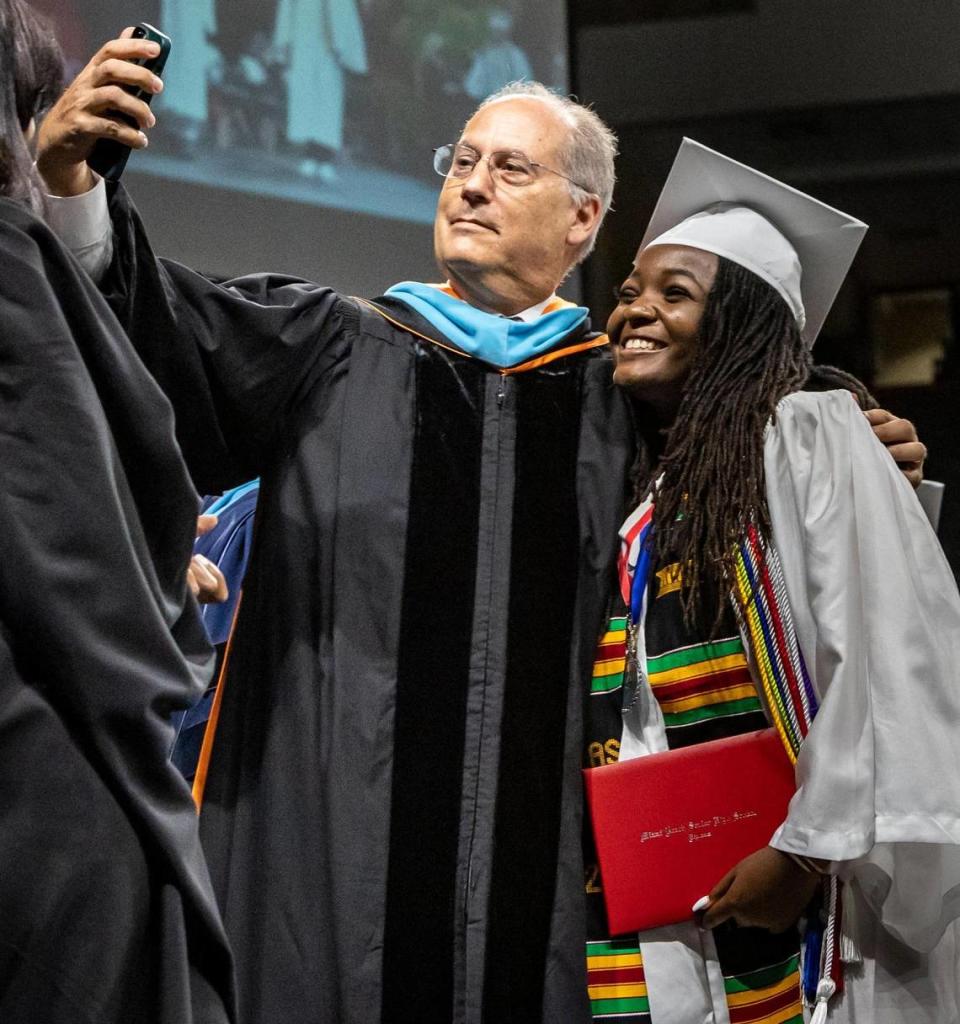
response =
{"points": [[512, 152], [685, 273], [668, 273]]}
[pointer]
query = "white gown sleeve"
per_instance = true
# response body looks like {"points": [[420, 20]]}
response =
{"points": [[878, 620]]}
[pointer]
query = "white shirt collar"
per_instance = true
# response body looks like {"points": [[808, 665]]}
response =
{"points": [[528, 315]]}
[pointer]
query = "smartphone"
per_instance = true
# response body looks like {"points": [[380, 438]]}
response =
{"points": [[109, 157]]}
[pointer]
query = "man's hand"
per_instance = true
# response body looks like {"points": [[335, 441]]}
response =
{"points": [[900, 438], [765, 890], [80, 117], [205, 580]]}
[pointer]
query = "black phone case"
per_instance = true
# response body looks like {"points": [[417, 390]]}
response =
{"points": [[108, 158]]}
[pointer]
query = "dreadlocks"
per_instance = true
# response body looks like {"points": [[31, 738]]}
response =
{"points": [[831, 378], [750, 356]]}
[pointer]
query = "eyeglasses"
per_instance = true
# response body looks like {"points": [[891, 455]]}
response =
{"points": [[507, 166]]}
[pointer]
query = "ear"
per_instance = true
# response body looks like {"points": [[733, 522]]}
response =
{"points": [[585, 218]]}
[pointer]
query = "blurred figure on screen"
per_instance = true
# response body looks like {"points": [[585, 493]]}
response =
{"points": [[189, 23], [500, 61], [321, 39], [247, 93]]}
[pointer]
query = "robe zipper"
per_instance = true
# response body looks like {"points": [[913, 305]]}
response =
{"points": [[469, 879]]}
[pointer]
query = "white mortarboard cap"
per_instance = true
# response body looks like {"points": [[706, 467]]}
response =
{"points": [[798, 245]]}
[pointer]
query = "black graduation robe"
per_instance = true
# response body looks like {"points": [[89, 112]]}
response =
{"points": [[106, 909], [392, 811]]}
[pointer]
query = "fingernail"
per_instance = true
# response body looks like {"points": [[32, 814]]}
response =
{"points": [[154, 48], [144, 140], [157, 84], [152, 121], [701, 904]]}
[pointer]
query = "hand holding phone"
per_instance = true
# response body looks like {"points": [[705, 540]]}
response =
{"points": [[109, 157]]}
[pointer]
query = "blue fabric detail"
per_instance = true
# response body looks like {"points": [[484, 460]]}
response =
{"points": [[487, 336], [228, 545], [218, 504], [813, 945], [641, 573]]}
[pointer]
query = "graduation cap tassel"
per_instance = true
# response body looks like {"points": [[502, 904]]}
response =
{"points": [[850, 952], [825, 991]]}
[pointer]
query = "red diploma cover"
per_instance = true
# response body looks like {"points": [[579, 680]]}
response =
{"points": [[669, 826]]}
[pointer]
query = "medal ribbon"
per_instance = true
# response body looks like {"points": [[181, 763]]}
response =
{"points": [[633, 563]]}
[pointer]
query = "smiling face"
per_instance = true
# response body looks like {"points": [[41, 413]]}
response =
{"points": [[654, 328], [506, 248]]}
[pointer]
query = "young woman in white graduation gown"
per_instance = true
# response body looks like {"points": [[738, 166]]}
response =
{"points": [[711, 335]]}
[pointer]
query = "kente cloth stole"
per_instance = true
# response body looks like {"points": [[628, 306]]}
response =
{"points": [[763, 611], [762, 608]]}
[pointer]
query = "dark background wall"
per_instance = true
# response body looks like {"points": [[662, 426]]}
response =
{"points": [[854, 101]]}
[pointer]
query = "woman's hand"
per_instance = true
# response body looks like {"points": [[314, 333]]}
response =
{"points": [[765, 890], [206, 581], [82, 114]]}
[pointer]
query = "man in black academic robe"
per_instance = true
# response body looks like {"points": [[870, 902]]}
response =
{"points": [[392, 805], [392, 808]]}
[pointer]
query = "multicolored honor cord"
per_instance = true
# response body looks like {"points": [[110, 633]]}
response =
{"points": [[763, 608], [764, 613], [633, 567]]}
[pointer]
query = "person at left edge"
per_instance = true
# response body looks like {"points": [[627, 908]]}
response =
{"points": [[107, 913], [392, 809]]}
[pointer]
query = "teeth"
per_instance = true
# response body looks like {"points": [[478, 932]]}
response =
{"points": [[641, 344]]}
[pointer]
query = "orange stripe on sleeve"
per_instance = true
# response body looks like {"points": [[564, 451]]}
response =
{"points": [[206, 748]]}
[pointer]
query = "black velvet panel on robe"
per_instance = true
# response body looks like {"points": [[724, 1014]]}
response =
{"points": [[106, 909], [433, 555], [545, 545], [432, 680]]}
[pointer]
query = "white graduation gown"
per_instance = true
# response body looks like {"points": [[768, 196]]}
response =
{"points": [[877, 615], [323, 38]]}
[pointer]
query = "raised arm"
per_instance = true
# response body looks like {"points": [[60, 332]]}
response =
{"points": [[80, 116], [236, 357]]}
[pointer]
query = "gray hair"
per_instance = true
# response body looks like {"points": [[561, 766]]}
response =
{"points": [[588, 154]]}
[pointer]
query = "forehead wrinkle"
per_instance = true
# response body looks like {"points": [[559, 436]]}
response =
{"points": [[509, 152], [507, 148], [536, 131]]}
